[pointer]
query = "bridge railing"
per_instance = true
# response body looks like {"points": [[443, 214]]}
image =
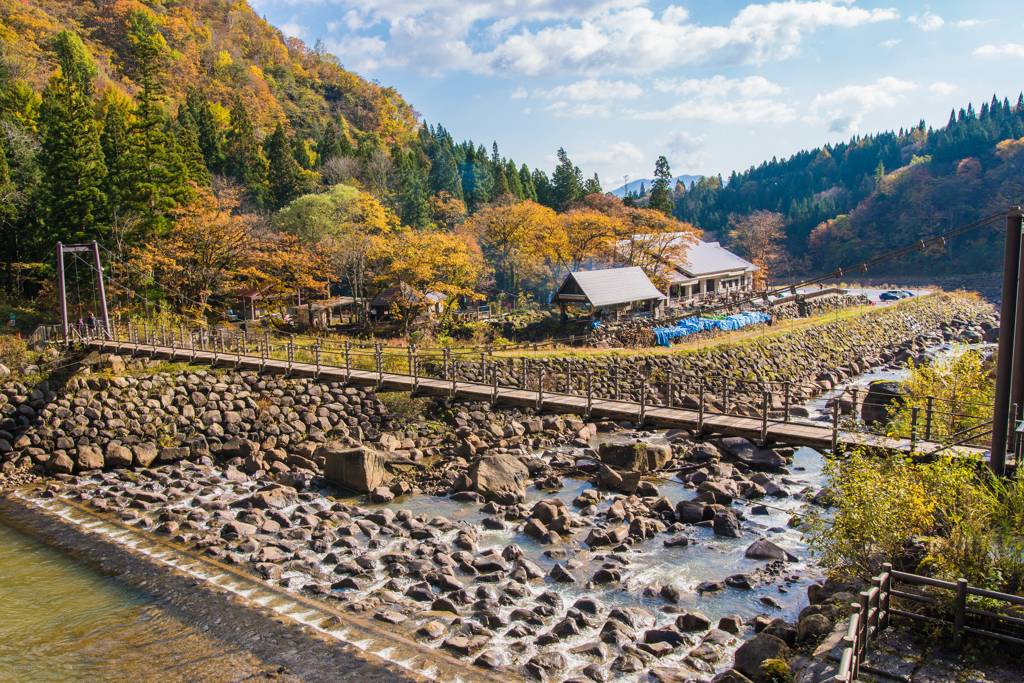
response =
{"points": [[967, 611], [770, 402]]}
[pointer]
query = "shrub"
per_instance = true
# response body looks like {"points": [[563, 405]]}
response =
{"points": [[401, 406]]}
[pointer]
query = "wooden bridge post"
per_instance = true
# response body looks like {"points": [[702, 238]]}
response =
{"points": [[885, 588], [483, 366], [671, 388], [318, 359], [700, 411], [455, 374], [289, 353], [264, 352], [913, 428], [214, 345], [238, 353], [379, 354], [348, 363], [590, 392], [960, 613], [415, 372], [615, 380], [835, 425], [494, 384], [540, 388], [725, 396], [643, 400], [568, 376], [522, 375], [928, 418], [764, 418], [786, 402]]}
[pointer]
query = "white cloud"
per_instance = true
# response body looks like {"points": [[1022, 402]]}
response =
{"points": [[293, 29], [927, 21], [519, 94], [580, 110], [941, 88], [844, 109], [619, 154], [592, 89], [590, 37], [1011, 49], [970, 22], [722, 100], [687, 153], [527, 110], [892, 42]]}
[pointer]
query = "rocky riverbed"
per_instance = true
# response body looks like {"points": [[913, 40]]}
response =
{"points": [[540, 545]]}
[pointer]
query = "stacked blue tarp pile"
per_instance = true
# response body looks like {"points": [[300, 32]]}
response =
{"points": [[689, 326]]}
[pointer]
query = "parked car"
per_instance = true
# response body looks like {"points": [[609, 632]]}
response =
{"points": [[891, 295], [907, 292]]}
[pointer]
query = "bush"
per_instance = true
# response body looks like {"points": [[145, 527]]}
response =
{"points": [[403, 407], [969, 521]]}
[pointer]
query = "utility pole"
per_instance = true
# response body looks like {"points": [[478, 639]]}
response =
{"points": [[1011, 334]]}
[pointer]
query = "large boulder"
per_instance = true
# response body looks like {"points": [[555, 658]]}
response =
{"points": [[758, 649], [359, 469], [144, 453], [882, 395], [625, 456], [763, 549], [499, 478], [88, 458], [238, 448], [751, 456]]}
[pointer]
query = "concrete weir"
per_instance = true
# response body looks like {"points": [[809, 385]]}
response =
{"points": [[307, 639]]}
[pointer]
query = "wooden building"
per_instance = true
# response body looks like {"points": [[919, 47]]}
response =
{"points": [[613, 291]]}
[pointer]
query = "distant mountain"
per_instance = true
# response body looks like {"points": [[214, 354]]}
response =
{"points": [[634, 185]]}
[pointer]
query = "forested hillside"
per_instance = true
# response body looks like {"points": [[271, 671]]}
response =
{"points": [[879, 192], [211, 154]]}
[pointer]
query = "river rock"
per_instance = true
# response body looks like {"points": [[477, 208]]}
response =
{"points": [[881, 395], [761, 647], [727, 524], [88, 458], [625, 456], [359, 469], [763, 549], [500, 478]]}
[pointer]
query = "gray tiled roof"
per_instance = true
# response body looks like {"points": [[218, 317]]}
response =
{"points": [[706, 258], [615, 286]]}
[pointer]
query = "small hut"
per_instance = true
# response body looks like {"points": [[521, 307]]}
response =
{"points": [[616, 289]]}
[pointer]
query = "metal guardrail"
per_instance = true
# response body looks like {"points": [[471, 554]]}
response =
{"points": [[871, 615]]}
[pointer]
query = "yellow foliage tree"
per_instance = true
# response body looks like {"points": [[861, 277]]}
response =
{"points": [[509, 233]]}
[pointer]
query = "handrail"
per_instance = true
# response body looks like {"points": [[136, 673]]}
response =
{"points": [[870, 615]]}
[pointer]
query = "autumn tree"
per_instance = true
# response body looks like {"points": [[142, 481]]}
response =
{"points": [[581, 236], [655, 242], [209, 247], [509, 232], [757, 236], [426, 263], [446, 211]]}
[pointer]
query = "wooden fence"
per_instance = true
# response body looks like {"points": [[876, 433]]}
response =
{"points": [[871, 615]]}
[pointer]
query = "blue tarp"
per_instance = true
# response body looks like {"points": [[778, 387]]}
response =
{"points": [[694, 325]]}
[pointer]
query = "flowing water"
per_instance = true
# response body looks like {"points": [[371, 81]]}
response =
{"points": [[63, 621]]}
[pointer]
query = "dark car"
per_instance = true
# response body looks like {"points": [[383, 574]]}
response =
{"points": [[889, 296]]}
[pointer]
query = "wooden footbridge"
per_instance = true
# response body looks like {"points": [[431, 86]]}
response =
{"points": [[763, 429]]}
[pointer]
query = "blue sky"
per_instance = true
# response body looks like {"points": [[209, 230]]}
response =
{"points": [[713, 85]]}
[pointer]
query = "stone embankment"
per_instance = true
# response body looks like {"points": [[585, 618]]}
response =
{"points": [[812, 359]]}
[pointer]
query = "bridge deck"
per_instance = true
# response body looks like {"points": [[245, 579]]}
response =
{"points": [[818, 437]]}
